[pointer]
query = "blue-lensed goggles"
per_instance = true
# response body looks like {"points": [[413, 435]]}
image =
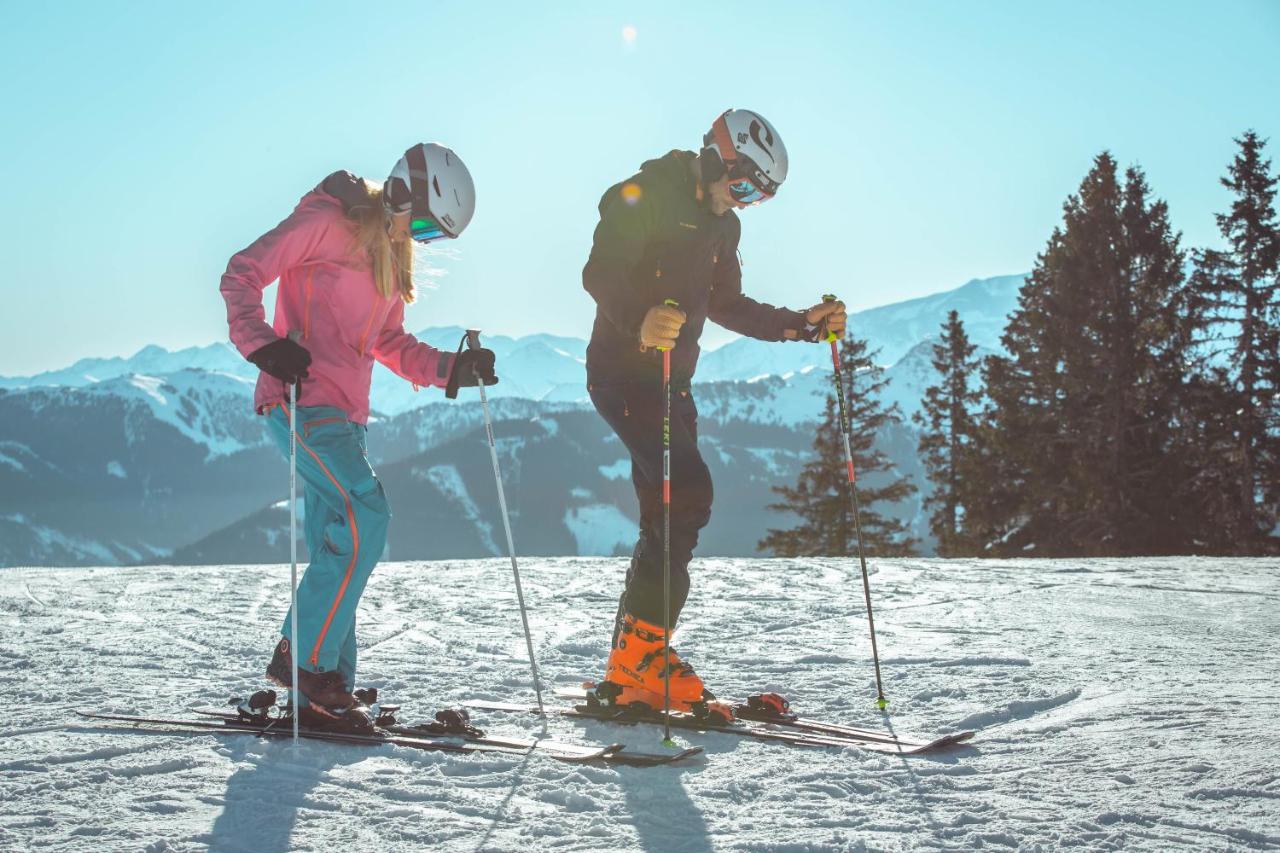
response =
{"points": [[746, 192], [424, 230]]}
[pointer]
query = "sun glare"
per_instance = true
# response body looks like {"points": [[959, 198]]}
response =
{"points": [[629, 34]]}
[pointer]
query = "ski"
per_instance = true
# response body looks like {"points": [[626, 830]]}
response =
{"points": [[774, 710], [423, 733], [444, 725], [741, 728], [453, 723], [681, 720], [279, 727], [262, 708]]}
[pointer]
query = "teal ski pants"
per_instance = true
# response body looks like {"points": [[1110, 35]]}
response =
{"points": [[345, 529]]}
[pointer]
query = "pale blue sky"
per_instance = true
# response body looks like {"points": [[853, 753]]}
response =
{"points": [[930, 143]]}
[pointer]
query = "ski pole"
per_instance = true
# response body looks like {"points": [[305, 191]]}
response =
{"points": [[473, 342], [666, 537], [293, 550], [881, 702]]}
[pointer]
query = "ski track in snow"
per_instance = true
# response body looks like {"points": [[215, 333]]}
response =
{"points": [[1119, 705]]}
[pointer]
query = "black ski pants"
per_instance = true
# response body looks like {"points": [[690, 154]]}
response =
{"points": [[634, 410]]}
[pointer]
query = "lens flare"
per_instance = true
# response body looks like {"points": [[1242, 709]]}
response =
{"points": [[629, 34], [631, 193]]}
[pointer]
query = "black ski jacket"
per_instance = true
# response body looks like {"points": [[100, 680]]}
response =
{"points": [[656, 241]]}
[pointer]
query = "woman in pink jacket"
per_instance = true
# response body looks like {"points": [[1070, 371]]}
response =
{"points": [[344, 260]]}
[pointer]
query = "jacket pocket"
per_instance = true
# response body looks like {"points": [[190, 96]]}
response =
{"points": [[321, 422], [370, 495], [308, 426]]}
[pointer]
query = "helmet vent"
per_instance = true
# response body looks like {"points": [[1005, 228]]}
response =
{"points": [[435, 182]]}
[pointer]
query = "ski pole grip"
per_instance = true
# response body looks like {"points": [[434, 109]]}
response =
{"points": [[295, 335], [829, 336], [673, 304], [471, 340]]}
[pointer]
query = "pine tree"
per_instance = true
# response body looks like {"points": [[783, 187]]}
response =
{"points": [[1082, 427], [821, 495], [1237, 303], [948, 425]]}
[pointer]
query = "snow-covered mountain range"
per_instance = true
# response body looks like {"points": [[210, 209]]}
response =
{"points": [[159, 457]]}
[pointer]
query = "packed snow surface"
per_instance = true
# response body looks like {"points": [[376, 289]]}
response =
{"points": [[1119, 704]]}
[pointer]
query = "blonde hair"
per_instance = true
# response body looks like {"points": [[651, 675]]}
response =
{"points": [[392, 261]]}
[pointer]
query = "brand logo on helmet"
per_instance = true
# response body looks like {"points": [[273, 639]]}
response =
{"points": [[765, 143]]}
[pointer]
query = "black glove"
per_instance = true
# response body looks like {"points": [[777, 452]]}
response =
{"points": [[284, 359], [469, 364]]}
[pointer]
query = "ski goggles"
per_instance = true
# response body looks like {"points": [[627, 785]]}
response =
{"points": [[424, 229], [748, 184], [744, 191]]}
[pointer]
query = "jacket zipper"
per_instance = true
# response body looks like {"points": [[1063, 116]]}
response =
{"points": [[306, 307], [364, 339]]}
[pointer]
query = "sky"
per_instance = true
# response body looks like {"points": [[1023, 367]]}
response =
{"points": [[930, 142]]}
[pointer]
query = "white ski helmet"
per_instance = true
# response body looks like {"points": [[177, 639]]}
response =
{"points": [[432, 184], [751, 152]]}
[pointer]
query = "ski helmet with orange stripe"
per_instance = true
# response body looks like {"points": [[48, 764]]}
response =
{"points": [[743, 144]]}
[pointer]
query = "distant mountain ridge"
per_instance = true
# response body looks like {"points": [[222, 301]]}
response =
{"points": [[553, 367], [160, 457], [890, 330]]}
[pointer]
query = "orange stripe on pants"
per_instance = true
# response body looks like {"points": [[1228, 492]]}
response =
{"points": [[355, 553]]}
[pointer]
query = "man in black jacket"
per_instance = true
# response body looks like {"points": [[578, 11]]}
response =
{"points": [[670, 233]]}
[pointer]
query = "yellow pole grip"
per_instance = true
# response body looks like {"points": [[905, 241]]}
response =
{"points": [[829, 297], [673, 304]]}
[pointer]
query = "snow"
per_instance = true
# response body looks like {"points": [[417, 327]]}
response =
{"points": [[1119, 705], [785, 401], [115, 469], [775, 460], [620, 470], [600, 529], [553, 368], [150, 385], [190, 401], [51, 541], [449, 481], [301, 504], [12, 461], [550, 426], [151, 360]]}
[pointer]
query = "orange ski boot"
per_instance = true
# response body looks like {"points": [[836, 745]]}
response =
{"points": [[637, 667]]}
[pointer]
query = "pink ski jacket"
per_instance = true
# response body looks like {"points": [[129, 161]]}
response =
{"points": [[327, 295]]}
